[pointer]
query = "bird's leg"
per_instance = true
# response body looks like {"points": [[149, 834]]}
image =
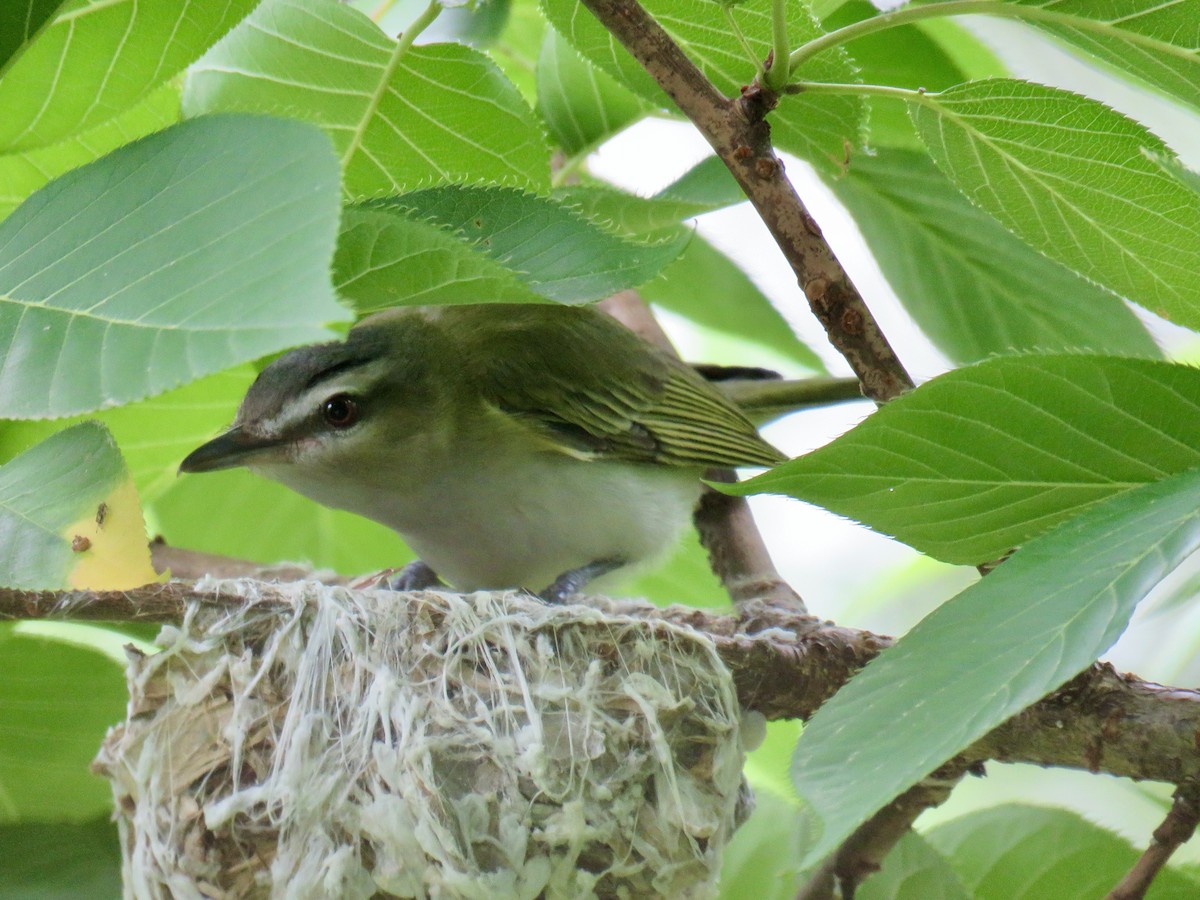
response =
{"points": [[573, 581], [416, 576]]}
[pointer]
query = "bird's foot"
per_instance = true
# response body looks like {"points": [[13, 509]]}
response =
{"points": [[416, 576], [573, 581]]}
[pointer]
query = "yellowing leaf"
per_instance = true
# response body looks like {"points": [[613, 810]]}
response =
{"points": [[111, 552]]}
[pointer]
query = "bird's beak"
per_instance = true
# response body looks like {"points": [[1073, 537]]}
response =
{"points": [[233, 448]]}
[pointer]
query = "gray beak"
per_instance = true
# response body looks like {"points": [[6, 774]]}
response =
{"points": [[233, 448]]}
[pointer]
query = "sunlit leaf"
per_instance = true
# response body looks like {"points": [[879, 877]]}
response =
{"points": [[23, 173], [973, 287], [399, 117], [47, 860], [1075, 180], [100, 57]]}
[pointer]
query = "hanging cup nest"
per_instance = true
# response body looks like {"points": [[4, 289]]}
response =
{"points": [[364, 744]]}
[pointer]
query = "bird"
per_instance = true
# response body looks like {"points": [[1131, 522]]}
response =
{"points": [[512, 446]]}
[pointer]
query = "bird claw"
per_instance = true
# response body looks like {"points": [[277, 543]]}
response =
{"points": [[574, 580], [416, 576]]}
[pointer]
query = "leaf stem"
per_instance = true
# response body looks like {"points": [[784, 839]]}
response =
{"points": [[862, 90], [403, 43], [908, 14], [781, 65]]}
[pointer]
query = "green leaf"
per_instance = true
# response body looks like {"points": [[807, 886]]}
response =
{"points": [[399, 117], [69, 516], [58, 699], [1075, 180], [56, 861], [913, 870], [196, 248], [98, 59], [707, 287], [761, 859], [904, 56], [553, 250], [1155, 41], [384, 258], [23, 173], [981, 459], [816, 127], [235, 513], [20, 23], [989, 652], [707, 185], [1018, 852], [580, 104], [972, 287]]}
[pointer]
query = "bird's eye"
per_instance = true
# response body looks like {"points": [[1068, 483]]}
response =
{"points": [[340, 410]]}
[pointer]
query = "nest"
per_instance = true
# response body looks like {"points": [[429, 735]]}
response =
{"points": [[364, 744]]}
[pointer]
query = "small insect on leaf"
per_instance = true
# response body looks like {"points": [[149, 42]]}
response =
{"points": [[80, 543]]}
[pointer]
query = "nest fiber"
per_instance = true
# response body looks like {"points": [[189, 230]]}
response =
{"points": [[359, 744]]}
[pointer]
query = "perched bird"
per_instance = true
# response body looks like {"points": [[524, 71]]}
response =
{"points": [[511, 445]]}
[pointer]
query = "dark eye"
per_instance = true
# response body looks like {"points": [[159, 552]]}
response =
{"points": [[340, 410]]}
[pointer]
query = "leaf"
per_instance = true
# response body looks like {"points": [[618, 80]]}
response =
{"points": [[686, 577], [23, 173], [815, 127], [913, 870], [58, 700], [58, 860], [1155, 41], [760, 860], [580, 104], [1001, 854], [98, 59], [1075, 180], [384, 258], [554, 251], [70, 518], [981, 459], [20, 23], [239, 514], [189, 251], [972, 287], [989, 652], [400, 117], [707, 287], [707, 185]]}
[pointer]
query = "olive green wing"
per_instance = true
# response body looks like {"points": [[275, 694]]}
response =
{"points": [[601, 391]]}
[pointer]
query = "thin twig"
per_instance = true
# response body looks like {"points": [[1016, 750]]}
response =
{"points": [[1176, 829], [738, 131], [862, 854]]}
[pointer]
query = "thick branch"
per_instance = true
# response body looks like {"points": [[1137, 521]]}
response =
{"points": [[787, 665], [738, 132]]}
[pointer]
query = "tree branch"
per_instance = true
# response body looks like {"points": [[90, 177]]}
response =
{"points": [[737, 130], [786, 665], [1176, 829]]}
